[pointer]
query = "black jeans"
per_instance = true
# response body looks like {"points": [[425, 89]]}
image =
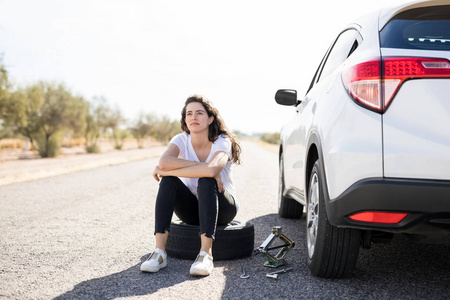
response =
{"points": [[211, 209]]}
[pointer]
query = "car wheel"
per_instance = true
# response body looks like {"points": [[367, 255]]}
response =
{"points": [[235, 240], [287, 207], [332, 251]]}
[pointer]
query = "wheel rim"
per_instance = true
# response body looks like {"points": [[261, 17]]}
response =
{"points": [[312, 215]]}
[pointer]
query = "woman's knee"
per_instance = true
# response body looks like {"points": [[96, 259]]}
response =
{"points": [[206, 182], [168, 180]]}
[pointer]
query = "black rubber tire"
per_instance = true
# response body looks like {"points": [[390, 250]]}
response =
{"points": [[287, 207], [233, 241], [335, 249]]}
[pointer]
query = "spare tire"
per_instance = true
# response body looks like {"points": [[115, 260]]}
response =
{"points": [[234, 240]]}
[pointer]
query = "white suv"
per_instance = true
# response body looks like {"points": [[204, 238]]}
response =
{"points": [[368, 152]]}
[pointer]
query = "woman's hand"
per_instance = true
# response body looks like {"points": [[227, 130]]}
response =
{"points": [[219, 183], [158, 173]]}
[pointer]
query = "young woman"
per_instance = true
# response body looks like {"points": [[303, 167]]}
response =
{"points": [[195, 182]]}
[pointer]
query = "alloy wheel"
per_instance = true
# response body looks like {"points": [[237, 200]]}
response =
{"points": [[312, 217]]}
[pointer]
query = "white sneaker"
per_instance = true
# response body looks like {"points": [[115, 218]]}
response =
{"points": [[156, 261], [203, 265]]}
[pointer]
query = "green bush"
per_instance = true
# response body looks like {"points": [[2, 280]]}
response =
{"points": [[271, 138], [49, 146], [93, 149]]}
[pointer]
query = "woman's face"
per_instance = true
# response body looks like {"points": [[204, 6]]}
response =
{"points": [[197, 118]]}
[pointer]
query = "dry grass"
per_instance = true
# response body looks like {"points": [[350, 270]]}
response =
{"points": [[11, 144], [17, 149]]}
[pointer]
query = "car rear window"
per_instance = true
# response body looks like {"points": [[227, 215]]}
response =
{"points": [[420, 28]]}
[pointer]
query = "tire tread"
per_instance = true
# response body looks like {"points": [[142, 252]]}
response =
{"points": [[340, 246], [236, 240]]}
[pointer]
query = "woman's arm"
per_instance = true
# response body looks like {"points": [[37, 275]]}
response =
{"points": [[194, 169], [169, 159]]}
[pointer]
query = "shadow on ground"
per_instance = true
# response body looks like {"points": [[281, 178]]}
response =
{"points": [[402, 269], [133, 282], [129, 282]]}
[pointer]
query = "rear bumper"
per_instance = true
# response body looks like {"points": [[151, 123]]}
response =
{"points": [[427, 202]]}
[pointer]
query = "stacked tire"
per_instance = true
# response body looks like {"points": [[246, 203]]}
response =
{"points": [[234, 240]]}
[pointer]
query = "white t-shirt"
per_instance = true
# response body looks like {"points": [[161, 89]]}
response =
{"points": [[223, 144]]}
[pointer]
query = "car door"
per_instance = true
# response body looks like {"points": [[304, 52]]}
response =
{"points": [[298, 130], [295, 134]]}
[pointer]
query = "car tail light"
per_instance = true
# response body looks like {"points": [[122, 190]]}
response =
{"points": [[363, 83], [378, 217], [374, 83]]}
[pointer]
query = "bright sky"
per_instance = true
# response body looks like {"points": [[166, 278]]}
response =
{"points": [[150, 55]]}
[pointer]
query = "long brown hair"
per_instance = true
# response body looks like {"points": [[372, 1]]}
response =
{"points": [[216, 128]]}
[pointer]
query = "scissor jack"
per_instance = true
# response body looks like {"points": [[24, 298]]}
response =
{"points": [[277, 260]]}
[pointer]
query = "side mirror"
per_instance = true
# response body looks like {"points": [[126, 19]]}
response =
{"points": [[287, 97]]}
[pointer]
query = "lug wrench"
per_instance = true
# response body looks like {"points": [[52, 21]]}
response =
{"points": [[274, 275], [244, 275]]}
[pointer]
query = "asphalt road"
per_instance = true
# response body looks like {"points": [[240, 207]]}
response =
{"points": [[83, 235]]}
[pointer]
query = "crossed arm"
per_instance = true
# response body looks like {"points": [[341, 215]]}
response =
{"points": [[171, 165]]}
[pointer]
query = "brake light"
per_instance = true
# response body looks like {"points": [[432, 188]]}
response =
{"points": [[363, 83], [398, 70], [373, 84], [378, 217]]}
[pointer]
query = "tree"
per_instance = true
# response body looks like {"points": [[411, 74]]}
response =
{"points": [[60, 110], [142, 128], [43, 111], [101, 119], [165, 129], [23, 112], [4, 99], [96, 123], [114, 121]]}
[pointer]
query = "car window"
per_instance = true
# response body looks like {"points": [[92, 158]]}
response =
{"points": [[316, 74], [344, 45], [421, 28]]}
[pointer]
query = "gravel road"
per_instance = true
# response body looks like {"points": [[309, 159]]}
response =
{"points": [[84, 234]]}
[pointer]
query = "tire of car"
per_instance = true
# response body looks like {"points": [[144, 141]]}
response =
{"points": [[332, 252], [287, 207], [232, 241]]}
